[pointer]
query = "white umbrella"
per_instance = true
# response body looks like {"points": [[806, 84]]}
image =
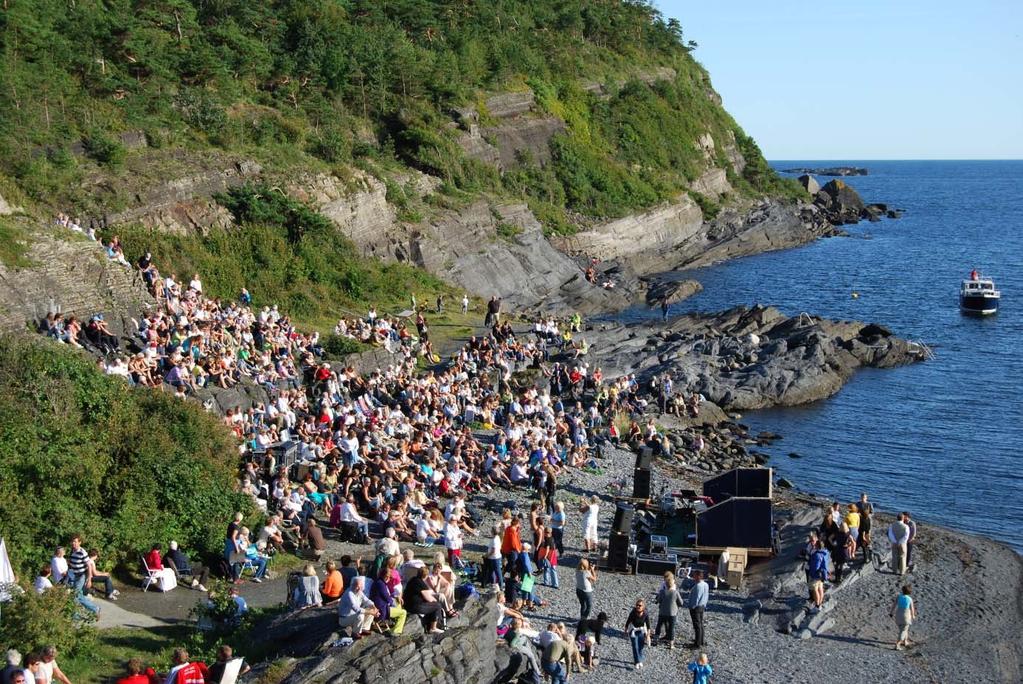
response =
{"points": [[7, 577]]}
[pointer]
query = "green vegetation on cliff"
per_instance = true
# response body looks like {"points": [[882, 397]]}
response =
{"points": [[83, 453], [328, 82]]}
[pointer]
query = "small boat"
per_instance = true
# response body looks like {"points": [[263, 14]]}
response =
{"points": [[977, 295]]}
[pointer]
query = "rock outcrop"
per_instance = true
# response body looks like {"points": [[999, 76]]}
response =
{"points": [[464, 654], [510, 130], [672, 291], [809, 184], [69, 274], [501, 250], [831, 171], [5, 208], [753, 358], [840, 202]]}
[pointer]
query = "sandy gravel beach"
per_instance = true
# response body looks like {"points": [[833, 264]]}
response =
{"points": [[967, 589]]}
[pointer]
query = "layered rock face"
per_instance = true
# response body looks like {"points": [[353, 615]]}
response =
{"points": [[70, 275], [744, 359], [513, 130], [501, 250]]}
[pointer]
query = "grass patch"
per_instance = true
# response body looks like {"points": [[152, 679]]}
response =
{"points": [[113, 647], [13, 244]]}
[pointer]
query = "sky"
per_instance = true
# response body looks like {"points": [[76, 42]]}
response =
{"points": [[866, 79]]}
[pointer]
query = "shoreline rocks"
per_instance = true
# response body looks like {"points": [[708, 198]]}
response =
{"points": [[749, 358]]}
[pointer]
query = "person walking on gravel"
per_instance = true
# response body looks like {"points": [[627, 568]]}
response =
{"points": [[637, 626], [866, 510], [904, 612], [591, 515]]}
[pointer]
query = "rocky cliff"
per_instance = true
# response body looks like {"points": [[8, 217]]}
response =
{"points": [[68, 274]]}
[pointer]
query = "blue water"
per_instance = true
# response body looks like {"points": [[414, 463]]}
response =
{"points": [[942, 438]]}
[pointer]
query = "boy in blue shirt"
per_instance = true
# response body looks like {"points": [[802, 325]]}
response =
{"points": [[701, 670]]}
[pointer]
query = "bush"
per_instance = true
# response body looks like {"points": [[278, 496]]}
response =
{"points": [[31, 621], [103, 148], [339, 346], [89, 455]]}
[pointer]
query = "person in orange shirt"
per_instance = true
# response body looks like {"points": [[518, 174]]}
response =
{"points": [[511, 545], [333, 585]]}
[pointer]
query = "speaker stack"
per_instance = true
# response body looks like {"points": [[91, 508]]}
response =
{"points": [[618, 543], [641, 475]]}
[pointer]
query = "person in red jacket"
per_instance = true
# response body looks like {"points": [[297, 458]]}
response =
{"points": [[185, 672], [154, 559], [138, 673]]}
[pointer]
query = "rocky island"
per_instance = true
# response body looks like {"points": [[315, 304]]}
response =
{"points": [[830, 171]]}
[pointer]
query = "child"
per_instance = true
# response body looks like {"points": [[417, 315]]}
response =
{"points": [[701, 670]]}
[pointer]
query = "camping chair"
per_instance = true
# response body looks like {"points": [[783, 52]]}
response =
{"points": [[232, 670], [151, 577]]}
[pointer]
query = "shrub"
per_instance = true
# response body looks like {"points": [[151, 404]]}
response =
{"points": [[88, 455], [339, 346], [31, 621], [103, 148]]}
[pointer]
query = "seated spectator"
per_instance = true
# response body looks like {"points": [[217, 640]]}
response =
{"points": [[420, 599], [252, 555], [355, 611], [96, 578], [388, 603], [313, 537], [185, 672], [225, 654], [178, 561], [138, 673], [307, 593], [333, 584], [42, 581], [350, 514], [58, 566]]}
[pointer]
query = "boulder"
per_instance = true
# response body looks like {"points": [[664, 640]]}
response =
{"points": [[841, 203], [809, 183], [672, 291]]}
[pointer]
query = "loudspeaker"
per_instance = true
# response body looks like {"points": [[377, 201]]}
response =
{"points": [[656, 563], [743, 482], [641, 484], [644, 458], [623, 519], [739, 521], [618, 552]]}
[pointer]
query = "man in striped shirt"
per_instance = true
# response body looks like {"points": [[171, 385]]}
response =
{"points": [[77, 564]]}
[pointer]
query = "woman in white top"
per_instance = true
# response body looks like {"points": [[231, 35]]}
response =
{"points": [[591, 512], [585, 577], [492, 570]]}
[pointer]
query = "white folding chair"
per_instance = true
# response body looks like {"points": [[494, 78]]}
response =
{"points": [[151, 575]]}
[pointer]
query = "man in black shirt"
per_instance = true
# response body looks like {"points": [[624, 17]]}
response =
{"points": [[178, 561]]}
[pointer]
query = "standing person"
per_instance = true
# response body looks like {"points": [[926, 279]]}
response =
{"points": [[465, 304], [492, 567], [77, 565], [664, 309], [637, 626], [817, 573], [904, 612], [591, 514], [548, 562], [697, 604], [585, 578], [511, 545], [701, 669], [843, 545], [558, 527], [669, 600], [853, 519], [866, 510], [898, 535], [911, 541]]}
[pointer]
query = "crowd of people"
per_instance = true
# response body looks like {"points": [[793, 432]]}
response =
{"points": [[394, 453]]}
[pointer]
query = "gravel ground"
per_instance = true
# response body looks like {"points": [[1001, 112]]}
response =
{"points": [[967, 591]]}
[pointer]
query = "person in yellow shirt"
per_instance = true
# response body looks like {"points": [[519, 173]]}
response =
{"points": [[852, 519]]}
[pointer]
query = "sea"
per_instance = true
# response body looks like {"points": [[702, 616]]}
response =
{"points": [[941, 439]]}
